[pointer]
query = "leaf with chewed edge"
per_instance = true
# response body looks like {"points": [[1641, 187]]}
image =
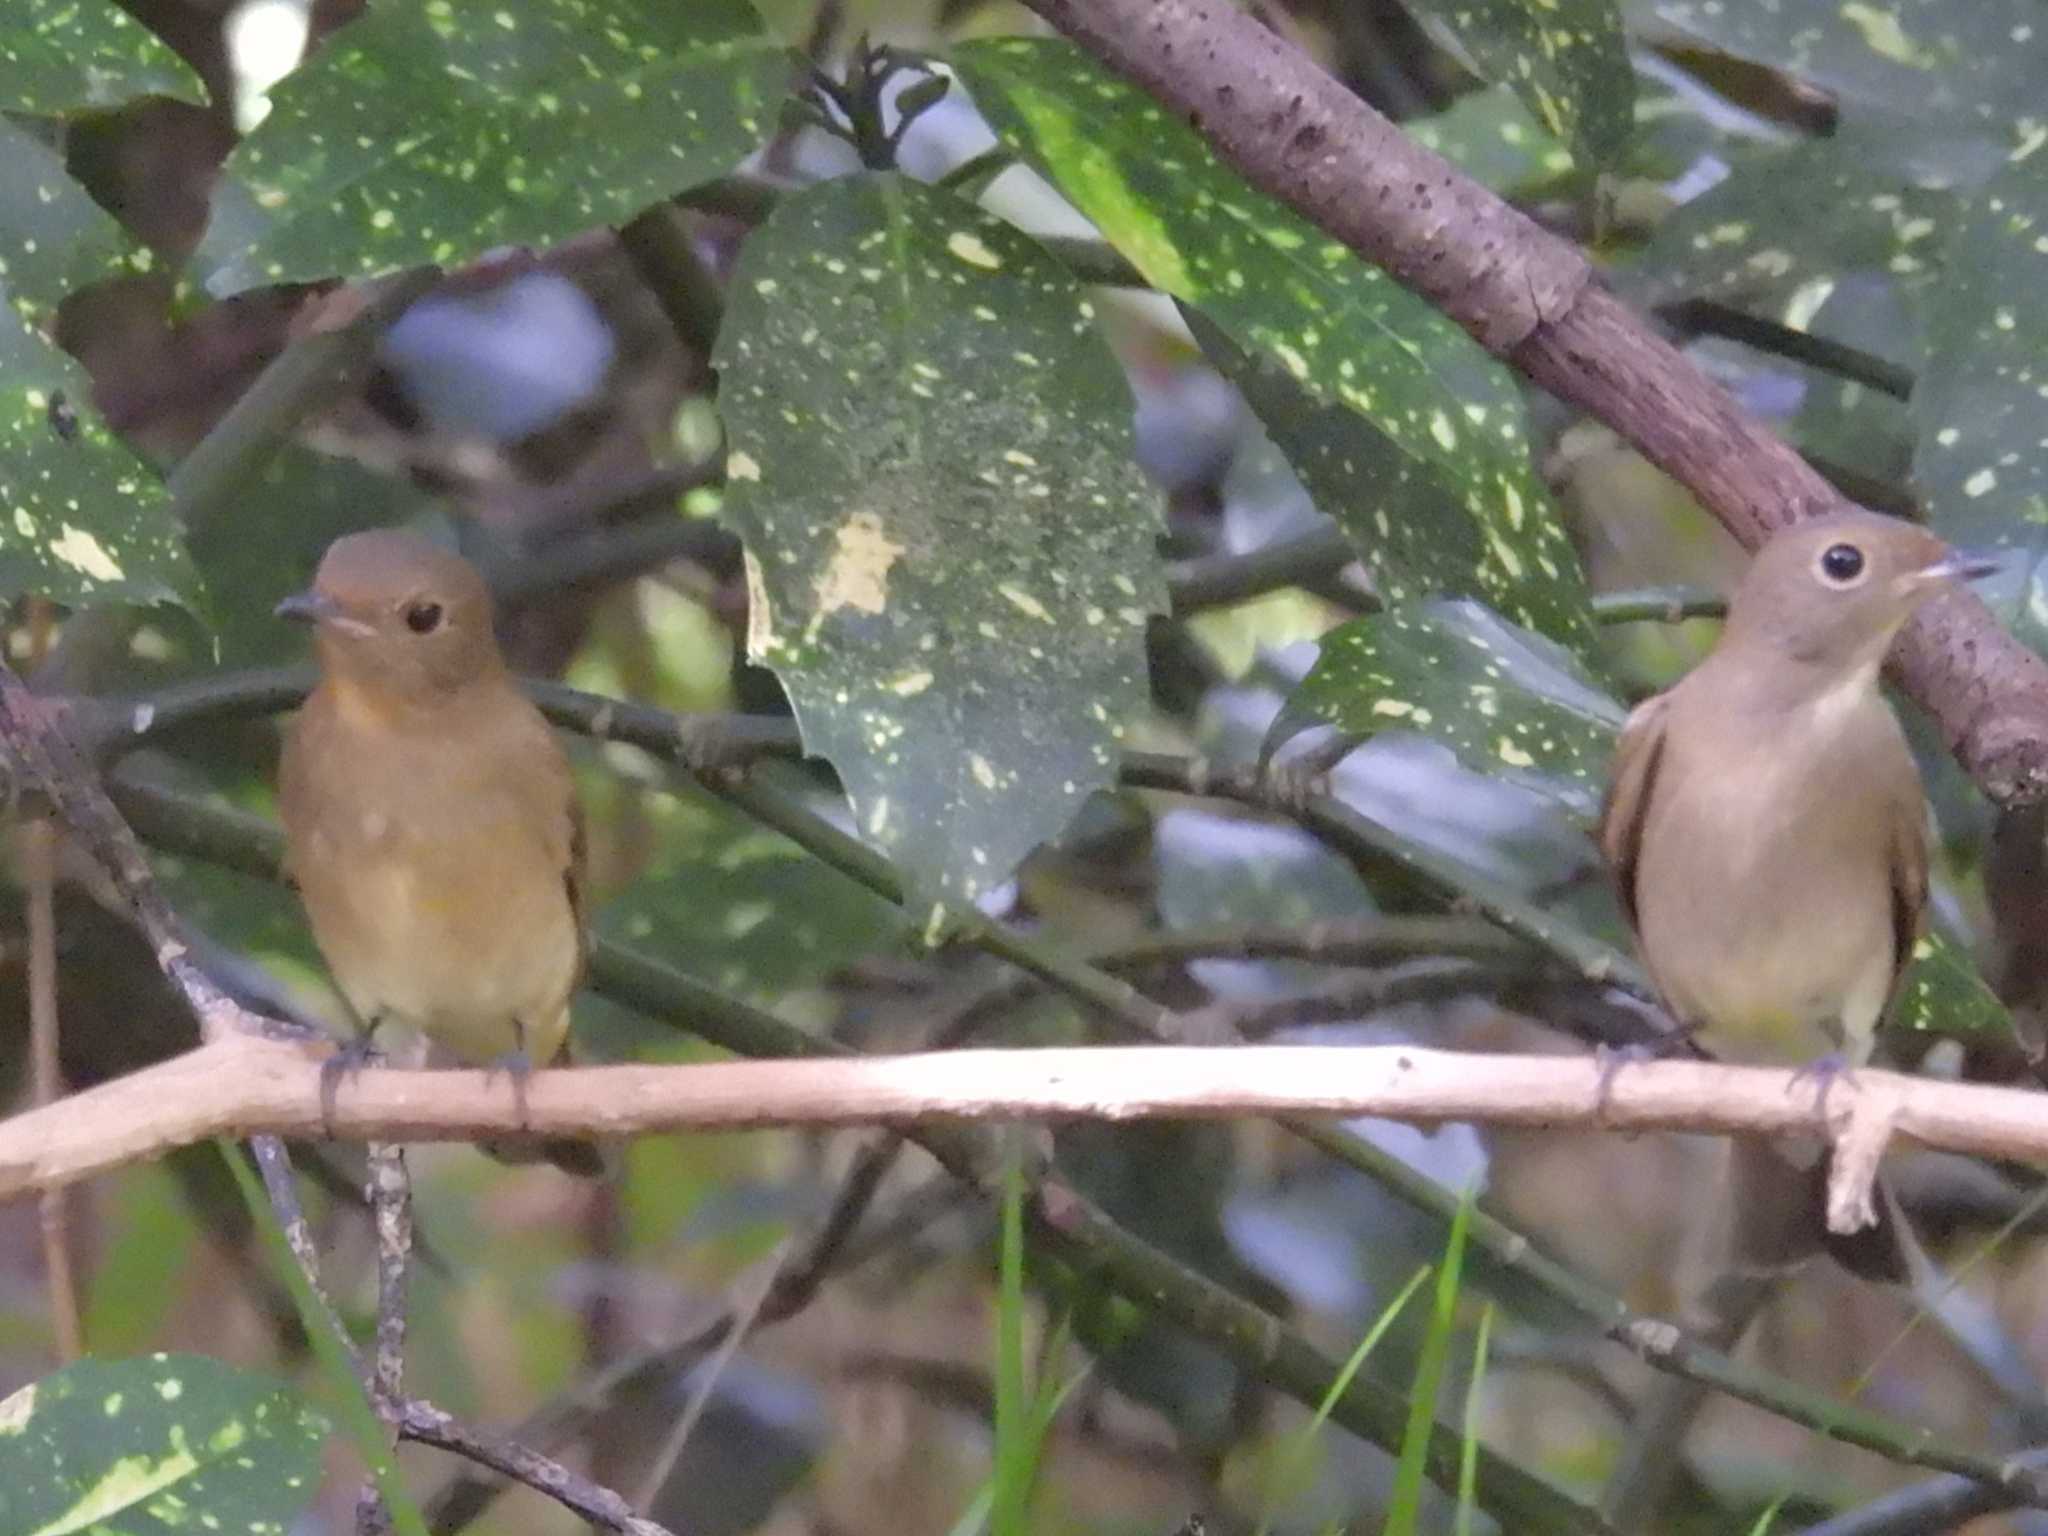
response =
{"points": [[951, 556]]}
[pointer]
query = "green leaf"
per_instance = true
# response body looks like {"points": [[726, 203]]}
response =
{"points": [[1566, 59], [951, 558], [1912, 67], [1510, 704], [1348, 334], [1755, 241], [1403, 519], [264, 545], [429, 133], [1980, 403], [742, 907], [1490, 136], [54, 239], [148, 1447], [58, 55], [1943, 994], [82, 520]]}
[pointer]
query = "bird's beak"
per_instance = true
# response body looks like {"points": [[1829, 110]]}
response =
{"points": [[1964, 565], [308, 607], [314, 607]]}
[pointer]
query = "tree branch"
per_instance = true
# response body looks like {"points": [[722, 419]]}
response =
{"points": [[243, 1085], [1296, 133]]}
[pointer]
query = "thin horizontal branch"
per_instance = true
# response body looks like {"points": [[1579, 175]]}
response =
{"points": [[243, 1086]]}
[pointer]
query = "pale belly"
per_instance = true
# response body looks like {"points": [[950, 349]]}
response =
{"points": [[405, 947], [1772, 958]]}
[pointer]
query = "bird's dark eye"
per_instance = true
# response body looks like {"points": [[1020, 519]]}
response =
{"points": [[1841, 563], [423, 618]]}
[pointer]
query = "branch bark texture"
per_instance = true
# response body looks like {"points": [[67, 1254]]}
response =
{"points": [[1531, 299]]}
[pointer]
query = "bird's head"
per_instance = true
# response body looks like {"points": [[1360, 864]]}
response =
{"points": [[398, 618]]}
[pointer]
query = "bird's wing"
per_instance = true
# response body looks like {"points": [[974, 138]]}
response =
{"points": [[1908, 875], [1637, 757]]}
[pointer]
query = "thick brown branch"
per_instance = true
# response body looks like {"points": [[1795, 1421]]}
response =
{"points": [[1297, 133]]}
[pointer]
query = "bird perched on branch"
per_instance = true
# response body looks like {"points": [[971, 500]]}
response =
{"points": [[1765, 822], [1767, 830], [431, 822]]}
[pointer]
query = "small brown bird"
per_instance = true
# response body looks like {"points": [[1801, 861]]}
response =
{"points": [[431, 824], [1765, 822], [1768, 834]]}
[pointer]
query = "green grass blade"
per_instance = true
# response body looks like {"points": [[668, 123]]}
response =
{"points": [[1299, 1445], [1468, 1454], [350, 1404], [1404, 1504], [1016, 1455]]}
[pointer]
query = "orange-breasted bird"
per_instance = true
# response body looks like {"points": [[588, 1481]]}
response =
{"points": [[431, 823]]}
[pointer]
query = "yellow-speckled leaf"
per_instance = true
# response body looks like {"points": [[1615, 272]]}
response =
{"points": [[82, 520], [1566, 59], [1490, 136], [58, 55], [1509, 703], [1942, 994], [951, 557], [430, 132], [54, 238], [740, 906], [1347, 334], [1923, 67], [1404, 521], [1757, 240], [1980, 405], [152, 1447]]}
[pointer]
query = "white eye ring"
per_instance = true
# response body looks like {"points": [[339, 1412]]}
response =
{"points": [[1842, 566]]}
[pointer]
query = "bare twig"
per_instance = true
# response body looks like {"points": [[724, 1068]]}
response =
{"points": [[39, 856], [428, 1425], [389, 1191], [794, 1284], [42, 751]]}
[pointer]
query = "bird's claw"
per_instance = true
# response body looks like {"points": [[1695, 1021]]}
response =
{"points": [[1825, 1072], [1612, 1058], [349, 1058], [1289, 785], [518, 1066]]}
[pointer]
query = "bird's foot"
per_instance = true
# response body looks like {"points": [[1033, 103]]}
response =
{"points": [[1289, 785], [1612, 1058], [1824, 1072], [349, 1058], [518, 1066]]}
